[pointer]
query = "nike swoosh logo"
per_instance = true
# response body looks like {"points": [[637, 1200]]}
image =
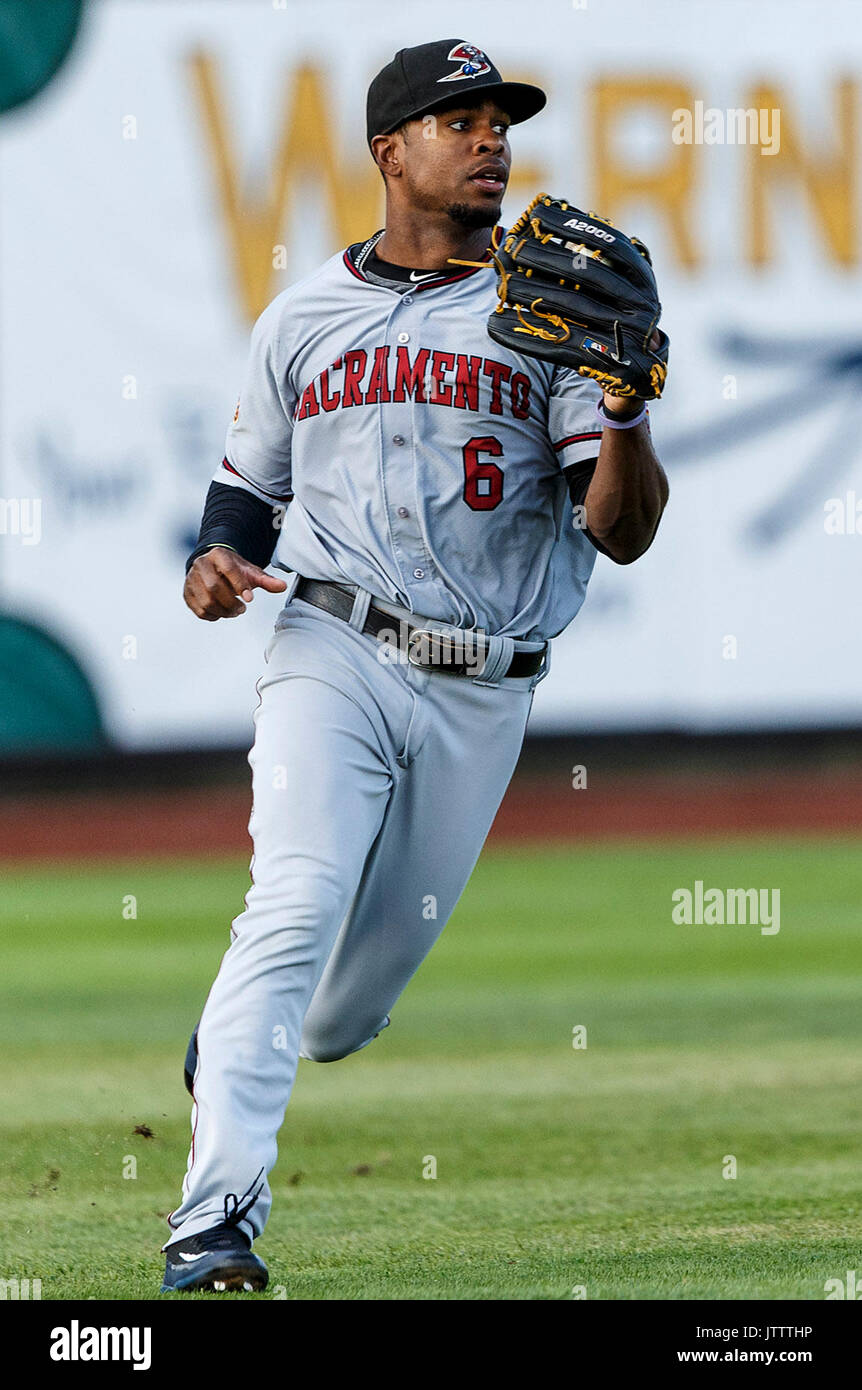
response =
{"points": [[190, 1259], [426, 275]]}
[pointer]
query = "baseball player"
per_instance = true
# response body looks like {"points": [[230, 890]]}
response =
{"points": [[417, 480]]}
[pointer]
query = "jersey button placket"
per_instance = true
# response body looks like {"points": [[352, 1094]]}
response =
{"points": [[398, 420]]}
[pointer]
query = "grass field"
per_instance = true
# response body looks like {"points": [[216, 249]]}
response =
{"points": [[557, 1168]]}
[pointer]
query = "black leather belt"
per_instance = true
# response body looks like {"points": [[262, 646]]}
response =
{"points": [[455, 654]]}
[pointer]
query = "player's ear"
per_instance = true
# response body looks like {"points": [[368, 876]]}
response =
{"points": [[387, 152]]}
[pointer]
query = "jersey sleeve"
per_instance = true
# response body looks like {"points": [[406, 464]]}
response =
{"points": [[574, 431], [258, 442]]}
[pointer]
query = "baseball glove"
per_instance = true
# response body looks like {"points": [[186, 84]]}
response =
{"points": [[575, 291]]}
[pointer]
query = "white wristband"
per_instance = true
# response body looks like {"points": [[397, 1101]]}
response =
{"points": [[610, 423]]}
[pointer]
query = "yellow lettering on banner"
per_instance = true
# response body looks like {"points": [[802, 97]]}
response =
{"points": [[827, 180], [305, 159], [668, 184], [305, 155]]}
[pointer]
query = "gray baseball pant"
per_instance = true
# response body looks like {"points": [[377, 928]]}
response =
{"points": [[375, 784]]}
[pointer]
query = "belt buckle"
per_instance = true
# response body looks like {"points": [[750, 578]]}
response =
{"points": [[442, 651]]}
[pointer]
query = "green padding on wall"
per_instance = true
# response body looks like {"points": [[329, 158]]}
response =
{"points": [[35, 37], [46, 701]]}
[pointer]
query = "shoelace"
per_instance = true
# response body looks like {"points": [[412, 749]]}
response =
{"points": [[236, 1209]]}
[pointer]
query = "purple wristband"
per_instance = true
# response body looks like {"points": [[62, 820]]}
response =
{"points": [[610, 423]]}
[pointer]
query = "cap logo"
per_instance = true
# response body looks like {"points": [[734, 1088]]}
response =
{"points": [[473, 63]]}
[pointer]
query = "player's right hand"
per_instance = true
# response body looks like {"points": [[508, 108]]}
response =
{"points": [[220, 583]]}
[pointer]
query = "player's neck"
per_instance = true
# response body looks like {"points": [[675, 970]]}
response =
{"points": [[420, 243]]}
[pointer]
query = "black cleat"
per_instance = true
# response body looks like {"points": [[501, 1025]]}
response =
{"points": [[218, 1261]]}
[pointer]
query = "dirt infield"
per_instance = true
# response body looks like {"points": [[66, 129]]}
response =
{"points": [[65, 825]]}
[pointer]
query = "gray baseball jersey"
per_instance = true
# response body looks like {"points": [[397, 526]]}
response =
{"points": [[442, 489], [422, 464]]}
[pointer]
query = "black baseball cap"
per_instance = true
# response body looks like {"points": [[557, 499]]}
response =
{"points": [[437, 74]]}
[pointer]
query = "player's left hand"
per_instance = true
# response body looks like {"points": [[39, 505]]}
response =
{"points": [[576, 291], [628, 405]]}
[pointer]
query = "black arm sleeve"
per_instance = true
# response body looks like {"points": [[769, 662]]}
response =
{"points": [[238, 519], [579, 476]]}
